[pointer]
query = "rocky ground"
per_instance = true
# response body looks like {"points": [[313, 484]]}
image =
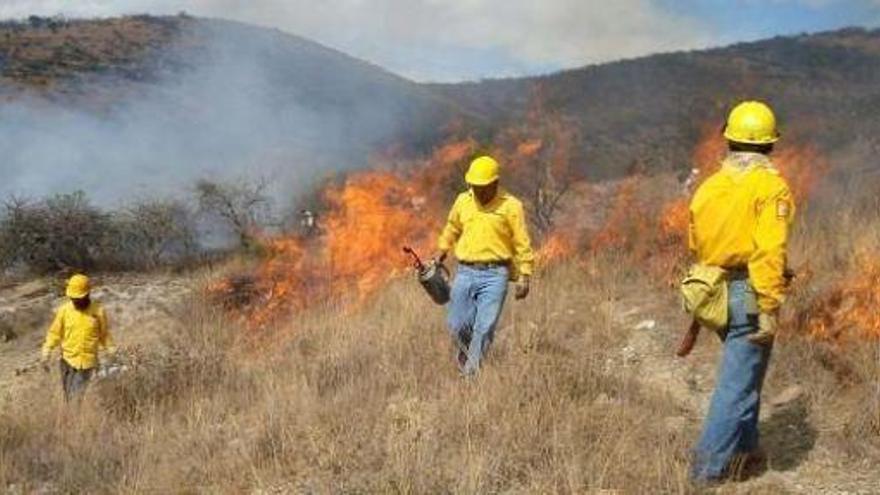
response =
{"points": [[800, 458]]}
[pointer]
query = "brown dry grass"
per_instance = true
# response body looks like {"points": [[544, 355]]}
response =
{"points": [[363, 401]]}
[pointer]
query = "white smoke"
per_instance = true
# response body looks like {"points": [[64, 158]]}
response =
{"points": [[241, 110], [440, 40]]}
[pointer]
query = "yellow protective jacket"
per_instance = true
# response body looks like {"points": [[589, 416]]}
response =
{"points": [[81, 335], [495, 232], [740, 218]]}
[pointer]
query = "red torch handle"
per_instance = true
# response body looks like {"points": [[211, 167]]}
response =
{"points": [[417, 262]]}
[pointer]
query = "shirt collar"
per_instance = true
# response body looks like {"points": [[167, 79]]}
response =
{"points": [[746, 160], [499, 196]]}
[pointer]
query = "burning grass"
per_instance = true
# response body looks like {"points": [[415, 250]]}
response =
{"points": [[372, 214], [850, 309], [367, 220]]}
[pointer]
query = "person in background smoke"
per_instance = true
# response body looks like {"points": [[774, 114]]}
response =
{"points": [[487, 228], [740, 219], [308, 223], [80, 328]]}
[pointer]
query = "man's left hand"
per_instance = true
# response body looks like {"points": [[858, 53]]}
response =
{"points": [[522, 288]]}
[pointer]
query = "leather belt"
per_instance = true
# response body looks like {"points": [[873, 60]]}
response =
{"points": [[485, 265]]}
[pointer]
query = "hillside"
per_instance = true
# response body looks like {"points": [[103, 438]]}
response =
{"points": [[649, 112], [174, 98]]}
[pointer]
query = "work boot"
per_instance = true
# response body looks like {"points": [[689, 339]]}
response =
{"points": [[755, 463], [462, 359], [463, 343]]}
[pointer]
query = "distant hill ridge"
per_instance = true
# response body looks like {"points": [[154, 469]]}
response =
{"points": [[643, 113], [650, 111]]}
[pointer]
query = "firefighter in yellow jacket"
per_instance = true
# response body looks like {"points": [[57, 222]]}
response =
{"points": [[487, 229], [80, 329], [740, 219]]}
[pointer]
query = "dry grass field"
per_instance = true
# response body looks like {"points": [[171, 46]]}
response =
{"points": [[581, 392], [335, 373], [577, 397]]}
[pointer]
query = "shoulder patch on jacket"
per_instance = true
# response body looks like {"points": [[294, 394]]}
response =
{"points": [[783, 208]]}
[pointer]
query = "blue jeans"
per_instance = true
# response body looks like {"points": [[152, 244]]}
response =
{"points": [[731, 428], [476, 304]]}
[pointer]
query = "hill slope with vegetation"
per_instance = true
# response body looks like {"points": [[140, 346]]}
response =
{"points": [[648, 113], [641, 114]]}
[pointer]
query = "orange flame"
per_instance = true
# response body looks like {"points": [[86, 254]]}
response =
{"points": [[368, 219], [557, 246], [849, 310]]}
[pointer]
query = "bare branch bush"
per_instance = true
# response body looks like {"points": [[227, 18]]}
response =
{"points": [[540, 154], [66, 233], [61, 232], [153, 233], [243, 207]]}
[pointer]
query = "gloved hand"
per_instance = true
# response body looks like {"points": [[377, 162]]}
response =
{"points": [[44, 363], [522, 288], [766, 329]]}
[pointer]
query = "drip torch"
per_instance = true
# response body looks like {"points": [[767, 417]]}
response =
{"points": [[433, 276]]}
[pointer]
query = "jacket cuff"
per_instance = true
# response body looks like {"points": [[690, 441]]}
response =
{"points": [[769, 304]]}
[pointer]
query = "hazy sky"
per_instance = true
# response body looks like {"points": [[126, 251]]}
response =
{"points": [[451, 40]]}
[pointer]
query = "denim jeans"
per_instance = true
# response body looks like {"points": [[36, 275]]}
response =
{"points": [[476, 304], [74, 381], [731, 428]]}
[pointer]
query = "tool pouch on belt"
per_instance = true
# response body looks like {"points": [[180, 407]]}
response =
{"points": [[704, 295]]}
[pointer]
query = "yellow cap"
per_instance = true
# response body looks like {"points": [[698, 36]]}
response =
{"points": [[751, 122], [78, 287], [482, 172]]}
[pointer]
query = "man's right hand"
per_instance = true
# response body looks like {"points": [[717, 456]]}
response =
{"points": [[439, 257], [44, 363], [522, 287], [766, 329]]}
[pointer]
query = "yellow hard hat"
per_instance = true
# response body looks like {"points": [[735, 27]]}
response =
{"points": [[78, 287], [751, 122], [482, 172]]}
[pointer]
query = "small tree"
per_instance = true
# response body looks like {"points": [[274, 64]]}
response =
{"points": [[154, 232], [540, 155], [244, 207]]}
